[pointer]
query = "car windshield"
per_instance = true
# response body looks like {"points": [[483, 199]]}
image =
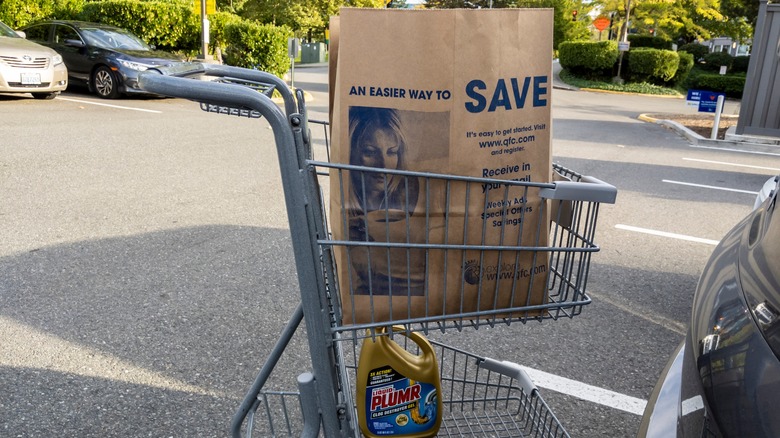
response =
{"points": [[113, 39], [7, 31]]}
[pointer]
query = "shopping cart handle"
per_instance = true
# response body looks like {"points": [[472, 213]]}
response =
{"points": [[182, 69], [222, 73], [587, 189], [229, 95], [509, 369]]}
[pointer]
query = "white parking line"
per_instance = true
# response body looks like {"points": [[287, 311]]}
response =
{"points": [[587, 392], [692, 404], [775, 154], [773, 169], [703, 186], [109, 105], [665, 234]]}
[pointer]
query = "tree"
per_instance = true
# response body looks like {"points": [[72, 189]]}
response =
{"points": [[740, 19], [232, 6], [564, 27], [300, 15], [266, 11], [685, 20], [470, 4], [397, 4], [747, 9]]}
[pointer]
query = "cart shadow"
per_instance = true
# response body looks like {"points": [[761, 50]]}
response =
{"points": [[162, 333], [153, 332]]}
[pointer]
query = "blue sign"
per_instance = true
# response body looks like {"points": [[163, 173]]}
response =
{"points": [[707, 100], [694, 95]]}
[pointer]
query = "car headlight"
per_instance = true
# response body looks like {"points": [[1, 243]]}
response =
{"points": [[56, 60], [134, 65]]}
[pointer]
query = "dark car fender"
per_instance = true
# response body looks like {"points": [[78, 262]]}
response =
{"points": [[677, 407]]}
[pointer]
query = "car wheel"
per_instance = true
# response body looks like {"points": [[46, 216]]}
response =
{"points": [[46, 96], [104, 83]]}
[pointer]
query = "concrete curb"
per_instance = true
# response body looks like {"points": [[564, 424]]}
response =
{"points": [[697, 140]]}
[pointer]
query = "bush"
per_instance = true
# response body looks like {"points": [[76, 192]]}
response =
{"points": [[732, 85], [218, 21], [683, 68], [740, 64], [20, 13], [252, 45], [697, 50], [713, 61], [653, 65], [588, 58], [649, 41], [168, 25]]}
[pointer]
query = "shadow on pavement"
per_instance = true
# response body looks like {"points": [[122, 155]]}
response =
{"points": [[157, 334]]}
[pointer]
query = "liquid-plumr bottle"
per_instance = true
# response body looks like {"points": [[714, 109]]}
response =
{"points": [[397, 391]]}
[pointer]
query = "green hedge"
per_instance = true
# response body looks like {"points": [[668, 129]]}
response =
{"points": [[649, 41], [653, 65], [713, 61], [252, 45], [732, 85], [168, 25], [217, 23], [740, 64], [683, 68], [697, 50], [588, 58]]}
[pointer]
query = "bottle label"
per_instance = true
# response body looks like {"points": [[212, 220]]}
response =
{"points": [[397, 405]]}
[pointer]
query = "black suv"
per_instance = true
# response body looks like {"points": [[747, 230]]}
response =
{"points": [[106, 59]]}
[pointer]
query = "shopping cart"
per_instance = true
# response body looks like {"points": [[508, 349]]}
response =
{"points": [[481, 396]]}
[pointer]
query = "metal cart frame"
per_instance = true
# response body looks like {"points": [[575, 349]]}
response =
{"points": [[486, 397]]}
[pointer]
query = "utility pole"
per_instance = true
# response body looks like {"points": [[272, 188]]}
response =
{"points": [[624, 40], [204, 40]]}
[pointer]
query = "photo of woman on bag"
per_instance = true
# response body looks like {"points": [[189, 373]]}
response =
{"points": [[377, 140], [381, 205]]}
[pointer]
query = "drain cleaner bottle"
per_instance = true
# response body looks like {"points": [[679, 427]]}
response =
{"points": [[397, 391]]}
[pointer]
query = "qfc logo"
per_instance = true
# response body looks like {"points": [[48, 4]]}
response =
{"points": [[472, 272]]}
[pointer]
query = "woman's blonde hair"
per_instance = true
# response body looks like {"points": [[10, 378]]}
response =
{"points": [[364, 121]]}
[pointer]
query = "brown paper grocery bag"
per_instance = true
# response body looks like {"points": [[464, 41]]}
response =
{"points": [[452, 92]]}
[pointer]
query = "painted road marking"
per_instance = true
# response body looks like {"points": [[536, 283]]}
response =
{"points": [[704, 186], [773, 169], [649, 316], [88, 102], [735, 150], [586, 392], [692, 404], [665, 234]]}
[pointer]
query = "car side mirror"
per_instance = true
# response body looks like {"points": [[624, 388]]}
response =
{"points": [[74, 43], [21, 33]]}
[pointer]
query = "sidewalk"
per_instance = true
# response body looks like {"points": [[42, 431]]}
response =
{"points": [[743, 143], [557, 82]]}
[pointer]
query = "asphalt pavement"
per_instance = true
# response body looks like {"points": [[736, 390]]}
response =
{"points": [[146, 267]]}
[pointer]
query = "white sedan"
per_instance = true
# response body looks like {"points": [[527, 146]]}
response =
{"points": [[27, 67]]}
